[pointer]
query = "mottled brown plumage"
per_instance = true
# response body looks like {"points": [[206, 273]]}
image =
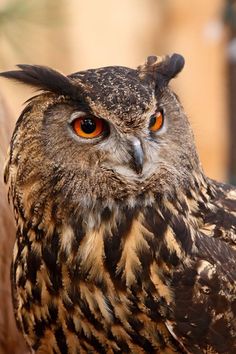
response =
{"points": [[123, 244]]}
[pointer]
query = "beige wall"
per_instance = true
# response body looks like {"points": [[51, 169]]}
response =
{"points": [[196, 31]]}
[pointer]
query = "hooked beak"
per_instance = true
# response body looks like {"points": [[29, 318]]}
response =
{"points": [[137, 155]]}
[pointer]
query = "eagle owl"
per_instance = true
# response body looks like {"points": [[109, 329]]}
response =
{"points": [[123, 245]]}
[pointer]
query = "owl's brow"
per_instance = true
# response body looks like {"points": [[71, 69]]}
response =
{"points": [[46, 79]]}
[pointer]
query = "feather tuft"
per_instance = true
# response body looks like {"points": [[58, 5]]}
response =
{"points": [[44, 78], [162, 70]]}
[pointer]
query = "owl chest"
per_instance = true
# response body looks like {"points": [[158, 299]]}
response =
{"points": [[98, 292]]}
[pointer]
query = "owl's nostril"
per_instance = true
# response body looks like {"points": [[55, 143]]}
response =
{"points": [[136, 153]]}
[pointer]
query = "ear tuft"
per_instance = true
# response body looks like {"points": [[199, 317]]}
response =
{"points": [[172, 66], [43, 78], [162, 69]]}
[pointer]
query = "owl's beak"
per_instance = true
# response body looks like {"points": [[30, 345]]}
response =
{"points": [[136, 152]]}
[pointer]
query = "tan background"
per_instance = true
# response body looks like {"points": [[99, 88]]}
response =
{"points": [[76, 34]]}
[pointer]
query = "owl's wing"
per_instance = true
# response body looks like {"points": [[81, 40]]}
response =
{"points": [[220, 219], [204, 285], [204, 313]]}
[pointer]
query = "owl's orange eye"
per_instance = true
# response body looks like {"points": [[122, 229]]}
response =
{"points": [[156, 121], [88, 126]]}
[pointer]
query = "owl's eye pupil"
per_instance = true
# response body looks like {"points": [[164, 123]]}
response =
{"points": [[152, 121], [156, 121], [88, 125]]}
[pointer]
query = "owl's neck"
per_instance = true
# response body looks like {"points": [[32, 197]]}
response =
{"points": [[182, 201]]}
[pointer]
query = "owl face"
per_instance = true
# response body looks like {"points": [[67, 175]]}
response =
{"points": [[118, 133]]}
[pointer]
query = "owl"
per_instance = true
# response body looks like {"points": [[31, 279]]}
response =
{"points": [[123, 244]]}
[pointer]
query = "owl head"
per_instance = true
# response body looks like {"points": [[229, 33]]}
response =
{"points": [[101, 135]]}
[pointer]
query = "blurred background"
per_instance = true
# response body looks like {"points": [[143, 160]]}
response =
{"points": [[73, 35]]}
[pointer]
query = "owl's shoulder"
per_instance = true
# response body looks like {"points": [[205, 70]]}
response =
{"points": [[220, 216]]}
